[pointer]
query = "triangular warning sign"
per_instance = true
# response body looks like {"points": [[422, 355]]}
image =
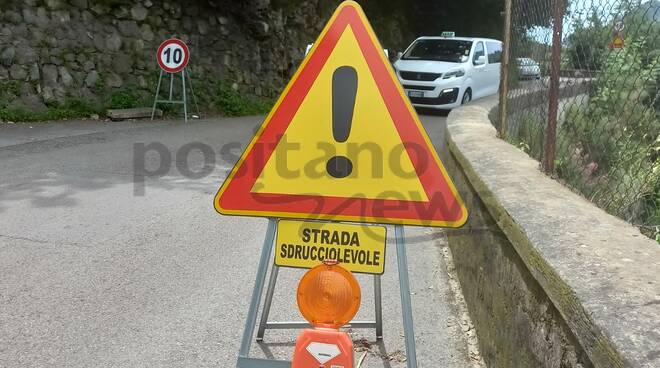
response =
{"points": [[617, 42], [343, 143]]}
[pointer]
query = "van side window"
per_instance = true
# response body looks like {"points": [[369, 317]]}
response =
{"points": [[494, 52], [478, 51]]}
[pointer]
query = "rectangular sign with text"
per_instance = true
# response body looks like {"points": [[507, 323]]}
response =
{"points": [[305, 244]]}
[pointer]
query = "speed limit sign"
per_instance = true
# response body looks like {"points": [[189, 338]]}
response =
{"points": [[173, 55], [619, 26]]}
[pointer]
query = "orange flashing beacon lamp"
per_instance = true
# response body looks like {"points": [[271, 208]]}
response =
{"points": [[328, 297]]}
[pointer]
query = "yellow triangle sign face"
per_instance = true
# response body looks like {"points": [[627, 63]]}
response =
{"points": [[343, 143], [366, 177], [617, 43]]}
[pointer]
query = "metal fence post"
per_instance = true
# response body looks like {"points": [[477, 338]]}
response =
{"points": [[548, 163], [504, 80]]}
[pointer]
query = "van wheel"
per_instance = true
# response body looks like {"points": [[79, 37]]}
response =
{"points": [[467, 97]]}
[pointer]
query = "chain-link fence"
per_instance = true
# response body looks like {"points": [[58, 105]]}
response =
{"points": [[588, 106]]}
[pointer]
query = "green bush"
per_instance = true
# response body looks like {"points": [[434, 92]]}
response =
{"points": [[8, 91], [124, 99], [71, 109], [218, 96], [230, 102], [608, 148]]}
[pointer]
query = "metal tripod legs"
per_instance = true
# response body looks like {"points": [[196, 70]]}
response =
{"points": [[244, 361]]}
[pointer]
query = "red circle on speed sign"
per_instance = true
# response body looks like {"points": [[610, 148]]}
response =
{"points": [[173, 55]]}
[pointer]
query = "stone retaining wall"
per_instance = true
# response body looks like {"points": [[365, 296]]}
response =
{"points": [[550, 279], [52, 50]]}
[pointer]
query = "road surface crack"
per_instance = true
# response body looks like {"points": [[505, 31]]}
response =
{"points": [[43, 242]]}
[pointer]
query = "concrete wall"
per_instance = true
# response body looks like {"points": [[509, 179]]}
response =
{"points": [[550, 279]]}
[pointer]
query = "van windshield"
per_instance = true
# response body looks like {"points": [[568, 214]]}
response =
{"points": [[453, 51]]}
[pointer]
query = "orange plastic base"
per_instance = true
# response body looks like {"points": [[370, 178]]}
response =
{"points": [[327, 348]]}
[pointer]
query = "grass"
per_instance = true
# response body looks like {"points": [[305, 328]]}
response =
{"points": [[71, 109], [217, 97], [529, 137]]}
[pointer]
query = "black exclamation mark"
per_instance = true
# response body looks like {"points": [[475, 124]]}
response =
{"points": [[344, 90]]}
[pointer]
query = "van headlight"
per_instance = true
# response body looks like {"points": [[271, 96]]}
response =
{"points": [[454, 74]]}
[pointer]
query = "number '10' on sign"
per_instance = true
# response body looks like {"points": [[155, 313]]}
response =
{"points": [[178, 55]]}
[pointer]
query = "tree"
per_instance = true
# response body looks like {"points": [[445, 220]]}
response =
{"points": [[535, 13], [480, 18], [398, 22], [588, 43]]}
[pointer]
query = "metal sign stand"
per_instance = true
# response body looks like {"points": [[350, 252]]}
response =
{"points": [[244, 360], [170, 99]]}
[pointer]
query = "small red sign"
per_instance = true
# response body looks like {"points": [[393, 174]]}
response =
{"points": [[617, 43], [173, 55]]}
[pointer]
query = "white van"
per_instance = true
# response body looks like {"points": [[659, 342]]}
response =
{"points": [[446, 72]]}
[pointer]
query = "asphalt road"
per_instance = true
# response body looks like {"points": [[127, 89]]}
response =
{"points": [[92, 274]]}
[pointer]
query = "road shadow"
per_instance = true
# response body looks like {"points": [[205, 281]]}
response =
{"points": [[432, 112], [50, 173], [266, 347]]}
